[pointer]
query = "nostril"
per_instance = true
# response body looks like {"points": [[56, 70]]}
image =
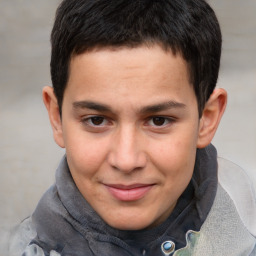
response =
{"points": [[127, 162]]}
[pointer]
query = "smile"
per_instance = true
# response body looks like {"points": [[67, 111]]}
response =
{"points": [[129, 193]]}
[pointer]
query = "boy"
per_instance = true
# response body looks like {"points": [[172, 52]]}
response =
{"points": [[135, 106]]}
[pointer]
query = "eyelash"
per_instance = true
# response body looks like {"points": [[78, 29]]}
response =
{"points": [[167, 121], [88, 122]]}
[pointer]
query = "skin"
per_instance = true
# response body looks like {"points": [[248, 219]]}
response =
{"points": [[131, 128]]}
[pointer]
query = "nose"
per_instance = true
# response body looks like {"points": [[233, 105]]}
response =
{"points": [[127, 152]]}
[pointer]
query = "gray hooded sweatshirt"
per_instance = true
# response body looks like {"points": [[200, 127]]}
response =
{"points": [[215, 215]]}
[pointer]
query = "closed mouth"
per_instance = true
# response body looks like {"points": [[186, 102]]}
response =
{"points": [[131, 192]]}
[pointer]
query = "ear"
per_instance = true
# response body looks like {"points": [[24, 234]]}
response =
{"points": [[212, 113], [51, 104]]}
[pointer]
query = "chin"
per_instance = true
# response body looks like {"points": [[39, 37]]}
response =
{"points": [[129, 223]]}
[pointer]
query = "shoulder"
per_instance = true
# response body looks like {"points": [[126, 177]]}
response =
{"points": [[21, 236], [20, 241], [25, 232], [230, 227], [238, 185]]}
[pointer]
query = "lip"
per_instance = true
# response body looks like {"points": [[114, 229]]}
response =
{"points": [[129, 193]]}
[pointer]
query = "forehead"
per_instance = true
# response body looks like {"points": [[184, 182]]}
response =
{"points": [[140, 72], [130, 57]]}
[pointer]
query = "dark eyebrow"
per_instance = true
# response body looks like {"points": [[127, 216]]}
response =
{"points": [[162, 106], [147, 109], [91, 105]]}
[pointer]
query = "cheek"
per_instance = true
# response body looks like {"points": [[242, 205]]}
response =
{"points": [[175, 156], [85, 154], [85, 160]]}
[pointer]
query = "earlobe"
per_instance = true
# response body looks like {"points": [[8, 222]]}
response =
{"points": [[51, 104], [212, 113]]}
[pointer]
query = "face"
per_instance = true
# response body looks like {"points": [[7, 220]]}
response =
{"points": [[130, 128]]}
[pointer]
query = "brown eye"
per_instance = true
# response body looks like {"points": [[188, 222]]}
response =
{"points": [[159, 121], [97, 120], [96, 124]]}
